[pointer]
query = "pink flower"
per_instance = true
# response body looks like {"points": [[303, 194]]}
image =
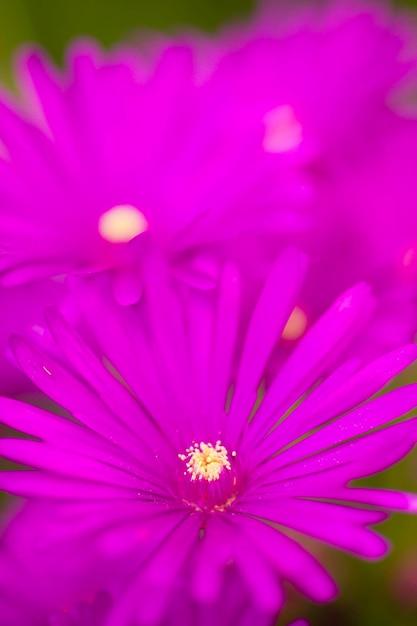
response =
{"points": [[325, 89], [180, 470], [287, 130], [111, 156]]}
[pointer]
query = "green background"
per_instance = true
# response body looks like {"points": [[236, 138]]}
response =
{"points": [[371, 594], [54, 23]]}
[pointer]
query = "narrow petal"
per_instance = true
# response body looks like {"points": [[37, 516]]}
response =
{"points": [[316, 350], [325, 403], [340, 526], [272, 311], [292, 561], [379, 412], [225, 335]]}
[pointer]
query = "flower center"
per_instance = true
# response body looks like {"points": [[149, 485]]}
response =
{"points": [[296, 325], [122, 223], [205, 461], [209, 481], [283, 132]]}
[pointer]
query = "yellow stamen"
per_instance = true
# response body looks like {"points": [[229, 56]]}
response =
{"points": [[205, 461]]}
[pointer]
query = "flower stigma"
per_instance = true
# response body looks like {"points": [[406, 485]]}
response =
{"points": [[205, 461]]}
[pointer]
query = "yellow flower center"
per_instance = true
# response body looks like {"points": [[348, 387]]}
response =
{"points": [[122, 223], [205, 461], [283, 132]]}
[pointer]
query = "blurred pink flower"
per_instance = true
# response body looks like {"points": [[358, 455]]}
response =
{"points": [[112, 154], [326, 87], [290, 129]]}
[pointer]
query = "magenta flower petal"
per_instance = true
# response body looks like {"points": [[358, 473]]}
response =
{"points": [[333, 397], [316, 582], [266, 327], [319, 347], [21, 311]]}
